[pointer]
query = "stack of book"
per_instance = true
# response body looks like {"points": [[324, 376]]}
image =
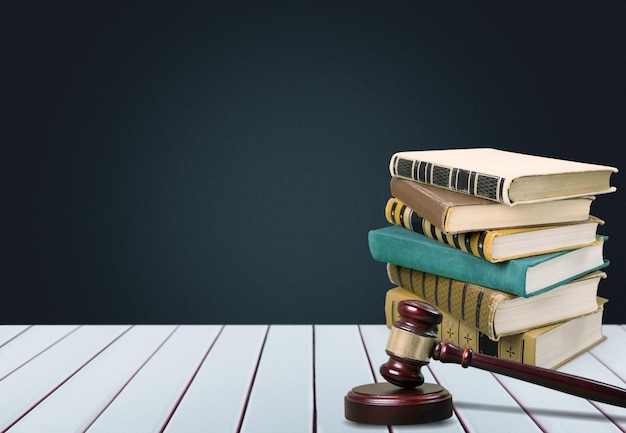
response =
{"points": [[503, 244]]}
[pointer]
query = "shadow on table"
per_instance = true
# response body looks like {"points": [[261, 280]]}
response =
{"points": [[538, 411]]}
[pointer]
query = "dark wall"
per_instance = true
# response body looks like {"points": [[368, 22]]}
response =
{"points": [[223, 162]]}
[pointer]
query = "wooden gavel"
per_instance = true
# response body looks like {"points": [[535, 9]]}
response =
{"points": [[413, 342]]}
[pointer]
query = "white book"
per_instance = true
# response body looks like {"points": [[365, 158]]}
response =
{"points": [[503, 176]]}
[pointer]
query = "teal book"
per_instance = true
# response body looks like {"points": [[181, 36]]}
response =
{"points": [[522, 277]]}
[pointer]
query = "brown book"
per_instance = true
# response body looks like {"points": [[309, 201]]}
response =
{"points": [[454, 212]]}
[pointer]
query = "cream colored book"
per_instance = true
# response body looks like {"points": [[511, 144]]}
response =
{"points": [[502, 176]]}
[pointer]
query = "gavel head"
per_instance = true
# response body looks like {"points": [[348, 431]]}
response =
{"points": [[410, 343]]}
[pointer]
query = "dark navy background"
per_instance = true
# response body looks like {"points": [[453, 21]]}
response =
{"points": [[222, 162]]}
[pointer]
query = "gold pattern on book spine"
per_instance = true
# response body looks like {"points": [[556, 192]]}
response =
{"points": [[400, 214], [473, 304]]}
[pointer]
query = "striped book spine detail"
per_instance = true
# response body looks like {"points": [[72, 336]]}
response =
{"points": [[472, 304], [455, 179], [401, 215]]}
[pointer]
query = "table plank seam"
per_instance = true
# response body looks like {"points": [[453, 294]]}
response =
{"points": [[519, 403], [607, 415], [40, 352], [370, 362], [457, 414], [190, 381], [314, 378], [252, 379], [367, 353], [132, 376], [63, 381], [608, 367], [19, 334]]}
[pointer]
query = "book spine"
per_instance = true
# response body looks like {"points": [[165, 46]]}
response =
{"points": [[475, 243], [467, 302], [516, 347], [422, 200], [452, 178]]}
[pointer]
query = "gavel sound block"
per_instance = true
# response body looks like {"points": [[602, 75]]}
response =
{"points": [[406, 399]]}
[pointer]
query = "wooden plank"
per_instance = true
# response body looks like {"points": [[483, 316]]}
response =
{"points": [[29, 385], [341, 363], [557, 411], [603, 364], [60, 378], [145, 404], [35, 340], [217, 396], [375, 338], [481, 403], [281, 399], [79, 401], [8, 332], [612, 351]]}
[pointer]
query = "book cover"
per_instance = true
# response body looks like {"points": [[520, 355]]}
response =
{"points": [[502, 176], [522, 277], [548, 346], [454, 212], [498, 245], [496, 313]]}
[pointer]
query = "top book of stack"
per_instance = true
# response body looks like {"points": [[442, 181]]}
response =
{"points": [[502, 176]]}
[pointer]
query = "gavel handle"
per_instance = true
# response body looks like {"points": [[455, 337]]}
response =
{"points": [[570, 384]]}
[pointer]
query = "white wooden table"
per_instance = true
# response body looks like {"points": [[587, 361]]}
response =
{"points": [[252, 378]]}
